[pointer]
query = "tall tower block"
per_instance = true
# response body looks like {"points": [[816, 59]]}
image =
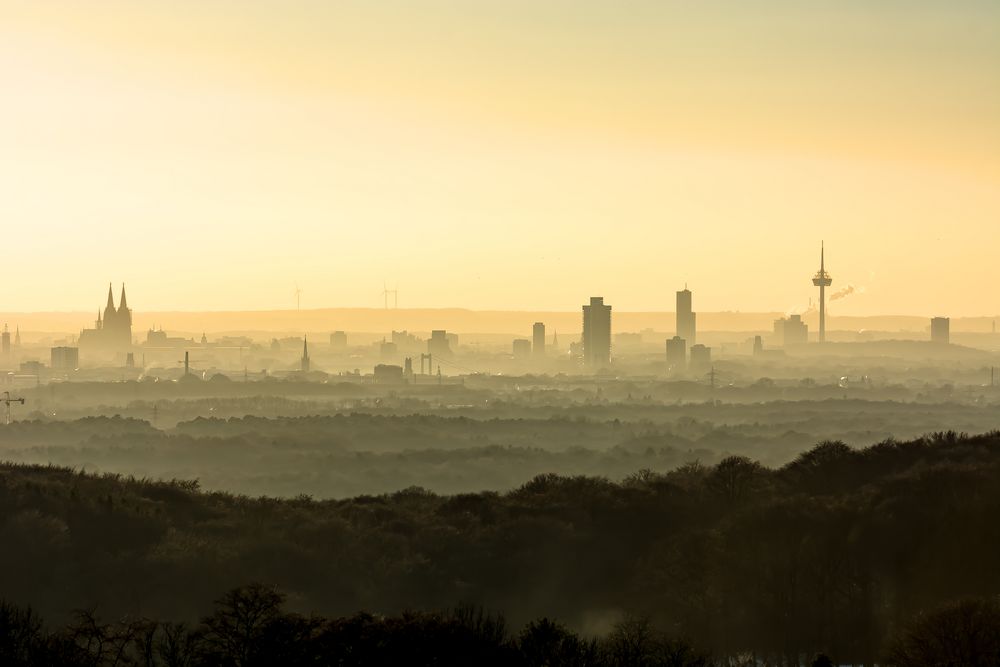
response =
{"points": [[686, 317], [822, 280], [597, 333]]}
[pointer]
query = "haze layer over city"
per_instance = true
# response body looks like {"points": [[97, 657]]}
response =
{"points": [[452, 333]]}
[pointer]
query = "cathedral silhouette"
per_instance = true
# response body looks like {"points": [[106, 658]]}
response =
{"points": [[112, 332]]}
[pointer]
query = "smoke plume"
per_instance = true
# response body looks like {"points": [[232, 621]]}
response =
{"points": [[843, 292]]}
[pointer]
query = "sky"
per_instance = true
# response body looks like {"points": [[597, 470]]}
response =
{"points": [[500, 154]]}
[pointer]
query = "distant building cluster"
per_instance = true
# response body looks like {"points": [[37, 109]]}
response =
{"points": [[396, 356]]}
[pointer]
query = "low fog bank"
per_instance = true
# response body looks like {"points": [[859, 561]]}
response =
{"points": [[339, 455]]}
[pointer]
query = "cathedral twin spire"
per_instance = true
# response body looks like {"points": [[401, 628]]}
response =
{"points": [[120, 314]]}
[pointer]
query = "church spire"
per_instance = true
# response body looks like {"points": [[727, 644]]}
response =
{"points": [[305, 354], [109, 310], [123, 305]]}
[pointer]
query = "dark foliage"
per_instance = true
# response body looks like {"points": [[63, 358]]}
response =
{"points": [[831, 553], [250, 628], [965, 633]]}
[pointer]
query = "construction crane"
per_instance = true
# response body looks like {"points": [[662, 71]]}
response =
{"points": [[7, 400]]}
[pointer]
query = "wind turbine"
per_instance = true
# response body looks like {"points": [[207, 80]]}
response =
{"points": [[395, 296]]}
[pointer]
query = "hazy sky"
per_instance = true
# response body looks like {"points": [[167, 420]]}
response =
{"points": [[500, 153]]}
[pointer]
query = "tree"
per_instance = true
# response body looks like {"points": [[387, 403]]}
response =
{"points": [[966, 634], [236, 631], [545, 643], [735, 477]]}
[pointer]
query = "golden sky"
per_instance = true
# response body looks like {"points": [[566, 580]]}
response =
{"points": [[520, 154]]}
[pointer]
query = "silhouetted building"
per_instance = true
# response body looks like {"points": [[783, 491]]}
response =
{"points": [[338, 340], [522, 348], [791, 330], [64, 358], [113, 331], [596, 332], [758, 346], [686, 318], [628, 339], [676, 353], [5, 341], [822, 280], [941, 330], [439, 344], [32, 367], [701, 357], [389, 374], [538, 339], [159, 338], [407, 343], [387, 351], [304, 364]]}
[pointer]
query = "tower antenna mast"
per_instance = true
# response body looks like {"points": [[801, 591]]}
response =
{"points": [[822, 280]]}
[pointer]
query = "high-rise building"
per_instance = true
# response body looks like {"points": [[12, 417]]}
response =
{"points": [[791, 330], [65, 358], [701, 357], [338, 340], [522, 348], [538, 339], [941, 330], [676, 354], [686, 318], [439, 344], [5, 341], [596, 333]]}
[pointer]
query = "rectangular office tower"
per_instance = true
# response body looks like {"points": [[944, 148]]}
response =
{"points": [[685, 317], [941, 330], [676, 354], [538, 339], [65, 358], [597, 332]]}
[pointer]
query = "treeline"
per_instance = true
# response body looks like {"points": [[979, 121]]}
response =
{"points": [[835, 551], [249, 626], [343, 455]]}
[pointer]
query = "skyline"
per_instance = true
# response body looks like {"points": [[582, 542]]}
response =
{"points": [[503, 156]]}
